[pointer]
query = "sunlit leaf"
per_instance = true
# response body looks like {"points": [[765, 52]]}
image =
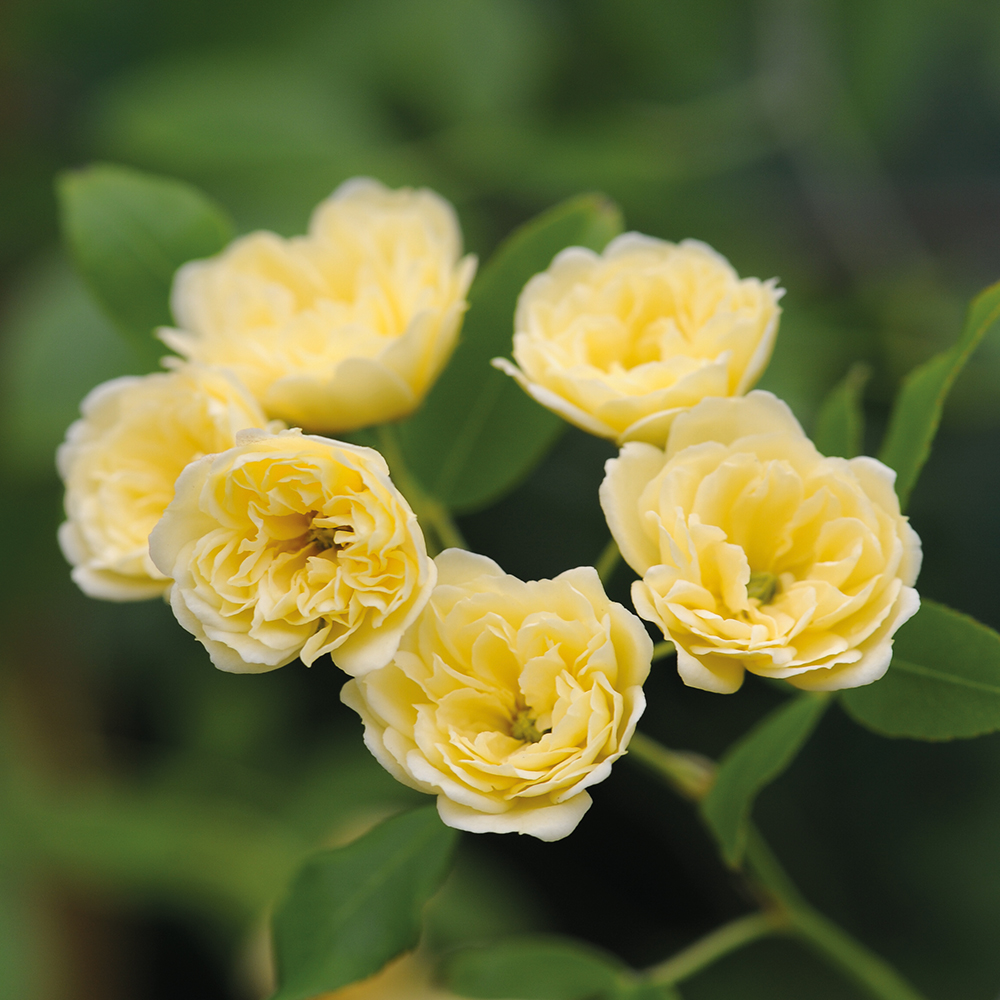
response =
{"points": [[128, 232], [920, 403], [478, 434], [943, 682], [840, 426], [533, 968], [754, 762], [352, 909]]}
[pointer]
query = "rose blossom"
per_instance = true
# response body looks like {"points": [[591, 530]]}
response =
{"points": [[507, 699], [289, 545], [620, 343], [345, 327], [120, 461], [757, 553]]}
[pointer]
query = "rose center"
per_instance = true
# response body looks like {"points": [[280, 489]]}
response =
{"points": [[762, 587], [523, 728], [325, 536]]}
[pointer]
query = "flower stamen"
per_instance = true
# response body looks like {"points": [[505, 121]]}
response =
{"points": [[523, 728], [762, 587], [325, 536]]}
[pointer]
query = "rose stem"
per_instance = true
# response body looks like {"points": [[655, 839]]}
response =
{"points": [[713, 946], [607, 562], [690, 775], [429, 511], [663, 649]]}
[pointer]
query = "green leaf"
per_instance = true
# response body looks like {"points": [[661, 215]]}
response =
{"points": [[128, 233], [478, 434], [646, 991], [943, 682], [840, 426], [57, 346], [754, 762], [533, 968], [920, 403], [352, 909]]}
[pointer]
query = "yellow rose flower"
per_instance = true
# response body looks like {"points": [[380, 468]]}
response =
{"points": [[757, 553], [346, 327], [120, 461], [508, 699], [288, 545], [620, 343]]}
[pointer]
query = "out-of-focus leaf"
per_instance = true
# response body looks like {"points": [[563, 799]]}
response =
{"points": [[943, 682], [352, 909], [270, 133], [222, 858], [636, 145], [812, 346], [232, 112], [917, 411], [443, 60], [840, 426], [754, 762], [483, 899], [645, 991], [478, 434], [56, 346], [22, 948], [533, 968], [128, 233]]}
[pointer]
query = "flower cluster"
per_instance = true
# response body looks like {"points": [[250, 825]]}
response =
{"points": [[506, 699]]}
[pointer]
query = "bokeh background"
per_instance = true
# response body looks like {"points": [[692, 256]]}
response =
{"points": [[152, 807]]}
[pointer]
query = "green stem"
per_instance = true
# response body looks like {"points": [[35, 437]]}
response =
{"points": [[856, 962], [431, 512], [663, 649], [607, 561], [714, 946], [691, 776], [688, 774]]}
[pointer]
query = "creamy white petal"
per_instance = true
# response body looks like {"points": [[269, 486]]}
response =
{"points": [[549, 823]]}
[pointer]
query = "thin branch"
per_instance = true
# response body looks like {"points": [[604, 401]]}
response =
{"points": [[663, 649], [691, 776], [430, 511], [713, 946], [607, 561]]}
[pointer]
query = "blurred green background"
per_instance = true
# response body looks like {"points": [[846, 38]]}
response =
{"points": [[150, 806]]}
